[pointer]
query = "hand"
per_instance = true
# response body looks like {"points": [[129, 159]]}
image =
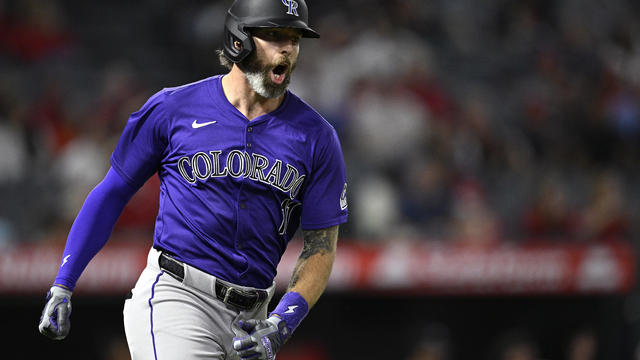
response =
{"points": [[55, 322], [264, 339]]}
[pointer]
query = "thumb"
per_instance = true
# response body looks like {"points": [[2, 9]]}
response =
{"points": [[248, 325]]}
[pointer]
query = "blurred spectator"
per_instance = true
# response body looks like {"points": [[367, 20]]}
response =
{"points": [[583, 345], [549, 216], [35, 31], [434, 344], [424, 95], [47, 121], [389, 123], [117, 349], [13, 164], [426, 196], [473, 222], [12, 146], [376, 213], [515, 344], [476, 146], [120, 93], [604, 216]]}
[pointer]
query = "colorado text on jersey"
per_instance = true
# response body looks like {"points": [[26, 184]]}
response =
{"points": [[202, 166]]}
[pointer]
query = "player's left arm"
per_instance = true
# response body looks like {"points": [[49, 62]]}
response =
{"points": [[312, 270], [310, 276], [324, 200]]}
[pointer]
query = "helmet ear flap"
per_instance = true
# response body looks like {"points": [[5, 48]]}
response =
{"points": [[238, 43]]}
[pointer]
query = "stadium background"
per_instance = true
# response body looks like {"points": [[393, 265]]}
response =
{"points": [[492, 153]]}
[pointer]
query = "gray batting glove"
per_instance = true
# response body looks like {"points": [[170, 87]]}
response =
{"points": [[264, 339], [55, 322]]}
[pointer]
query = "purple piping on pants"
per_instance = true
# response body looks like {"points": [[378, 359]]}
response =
{"points": [[153, 338]]}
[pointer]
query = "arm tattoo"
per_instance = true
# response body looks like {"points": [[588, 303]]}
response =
{"points": [[321, 242], [318, 242]]}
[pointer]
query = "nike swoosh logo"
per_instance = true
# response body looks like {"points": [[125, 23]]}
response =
{"points": [[292, 308], [197, 125], [64, 261]]}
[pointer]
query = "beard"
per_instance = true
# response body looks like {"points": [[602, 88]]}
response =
{"points": [[258, 74]]}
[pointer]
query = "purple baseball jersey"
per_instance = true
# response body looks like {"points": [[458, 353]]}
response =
{"points": [[233, 191]]}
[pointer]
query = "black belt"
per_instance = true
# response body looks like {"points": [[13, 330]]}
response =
{"points": [[240, 298]]}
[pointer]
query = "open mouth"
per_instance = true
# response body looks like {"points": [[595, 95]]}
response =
{"points": [[278, 73]]}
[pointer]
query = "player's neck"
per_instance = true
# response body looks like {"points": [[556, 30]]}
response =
{"points": [[239, 93]]}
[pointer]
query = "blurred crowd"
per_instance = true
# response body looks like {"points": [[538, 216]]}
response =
{"points": [[460, 120], [435, 343], [465, 121]]}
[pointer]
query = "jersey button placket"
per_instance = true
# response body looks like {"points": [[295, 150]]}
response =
{"points": [[242, 205], [249, 130]]}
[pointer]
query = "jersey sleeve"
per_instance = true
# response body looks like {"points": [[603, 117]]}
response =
{"points": [[93, 225], [324, 201], [143, 142]]}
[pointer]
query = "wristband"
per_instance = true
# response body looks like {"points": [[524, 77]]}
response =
{"points": [[292, 308]]}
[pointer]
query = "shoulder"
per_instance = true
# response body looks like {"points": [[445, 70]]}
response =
{"points": [[191, 92], [319, 135], [191, 87], [160, 107], [306, 116], [169, 99]]}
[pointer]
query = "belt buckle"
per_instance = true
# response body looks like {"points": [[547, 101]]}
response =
{"points": [[227, 294], [239, 293]]}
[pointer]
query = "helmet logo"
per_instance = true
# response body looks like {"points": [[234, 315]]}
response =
{"points": [[292, 7]]}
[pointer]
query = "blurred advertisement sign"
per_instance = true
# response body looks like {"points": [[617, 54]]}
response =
{"points": [[396, 267], [506, 269]]}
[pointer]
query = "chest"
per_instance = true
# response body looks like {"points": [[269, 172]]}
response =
{"points": [[213, 148]]}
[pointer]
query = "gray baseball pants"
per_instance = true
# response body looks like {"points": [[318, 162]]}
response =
{"points": [[166, 319]]}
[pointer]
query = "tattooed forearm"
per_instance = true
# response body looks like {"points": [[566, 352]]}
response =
{"points": [[295, 277], [319, 241]]}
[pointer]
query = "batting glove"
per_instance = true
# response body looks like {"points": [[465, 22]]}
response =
{"points": [[264, 339], [55, 322]]}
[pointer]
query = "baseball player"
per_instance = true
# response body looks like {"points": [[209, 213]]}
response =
{"points": [[243, 162]]}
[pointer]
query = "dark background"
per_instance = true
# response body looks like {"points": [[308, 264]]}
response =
{"points": [[358, 326]]}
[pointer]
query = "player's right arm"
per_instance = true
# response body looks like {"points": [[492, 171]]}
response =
{"points": [[135, 159], [89, 233], [93, 226]]}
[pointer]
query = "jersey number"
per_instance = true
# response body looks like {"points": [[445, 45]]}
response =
{"points": [[287, 208]]}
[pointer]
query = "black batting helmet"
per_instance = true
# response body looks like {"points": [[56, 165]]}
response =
{"points": [[244, 15]]}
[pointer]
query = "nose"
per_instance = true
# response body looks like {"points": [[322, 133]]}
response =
{"points": [[287, 46]]}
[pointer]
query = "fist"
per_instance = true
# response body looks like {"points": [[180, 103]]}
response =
{"points": [[55, 322], [264, 339]]}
